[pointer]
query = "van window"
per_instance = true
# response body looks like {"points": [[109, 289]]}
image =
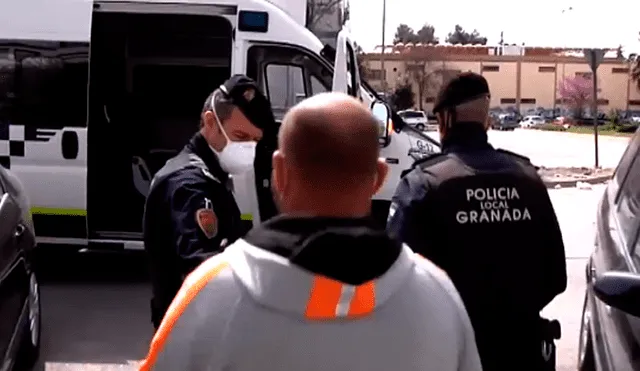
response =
{"points": [[317, 87], [51, 87], [287, 74], [285, 86]]}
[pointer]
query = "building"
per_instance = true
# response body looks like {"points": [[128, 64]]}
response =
{"points": [[521, 77]]}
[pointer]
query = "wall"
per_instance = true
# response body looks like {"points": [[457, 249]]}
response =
{"points": [[529, 80]]}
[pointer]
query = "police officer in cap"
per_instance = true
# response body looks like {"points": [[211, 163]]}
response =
{"points": [[190, 212], [484, 216]]}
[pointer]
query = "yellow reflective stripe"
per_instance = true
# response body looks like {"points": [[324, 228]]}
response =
{"points": [[247, 217], [58, 211]]}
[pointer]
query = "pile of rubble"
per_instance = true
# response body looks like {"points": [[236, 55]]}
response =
{"points": [[581, 177]]}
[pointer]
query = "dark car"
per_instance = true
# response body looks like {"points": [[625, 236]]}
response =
{"points": [[19, 289], [505, 122], [610, 331]]}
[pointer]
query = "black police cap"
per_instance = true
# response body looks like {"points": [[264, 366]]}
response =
{"points": [[463, 88], [244, 93]]}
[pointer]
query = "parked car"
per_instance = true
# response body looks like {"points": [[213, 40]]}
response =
{"points": [[19, 289], [531, 121], [564, 121], [505, 122], [610, 332], [417, 119]]}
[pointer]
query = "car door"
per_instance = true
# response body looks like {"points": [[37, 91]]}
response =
{"points": [[286, 74], [10, 284], [346, 77], [615, 250]]}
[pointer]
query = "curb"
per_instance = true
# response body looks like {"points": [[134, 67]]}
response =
{"points": [[564, 183]]}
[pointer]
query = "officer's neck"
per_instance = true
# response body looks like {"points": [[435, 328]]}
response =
{"points": [[465, 135]]}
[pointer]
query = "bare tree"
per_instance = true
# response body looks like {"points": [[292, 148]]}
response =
{"points": [[427, 72], [318, 9]]}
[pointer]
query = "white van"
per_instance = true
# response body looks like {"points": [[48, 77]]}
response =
{"points": [[137, 73]]}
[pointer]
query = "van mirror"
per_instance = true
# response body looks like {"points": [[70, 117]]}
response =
{"points": [[382, 113], [620, 290]]}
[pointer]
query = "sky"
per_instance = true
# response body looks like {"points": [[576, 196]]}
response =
{"points": [[595, 24]]}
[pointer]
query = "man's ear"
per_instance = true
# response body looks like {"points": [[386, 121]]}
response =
{"points": [[209, 119], [277, 173], [382, 170]]}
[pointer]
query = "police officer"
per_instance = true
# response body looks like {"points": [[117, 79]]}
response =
{"points": [[485, 217], [190, 212]]}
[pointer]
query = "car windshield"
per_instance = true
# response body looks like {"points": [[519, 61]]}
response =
{"points": [[411, 115]]}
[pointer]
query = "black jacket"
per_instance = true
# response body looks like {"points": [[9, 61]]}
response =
{"points": [[191, 190], [485, 217]]}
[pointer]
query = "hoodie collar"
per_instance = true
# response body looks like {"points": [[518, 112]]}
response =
{"points": [[333, 247]]}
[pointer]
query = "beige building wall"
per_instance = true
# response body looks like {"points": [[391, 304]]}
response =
{"points": [[634, 96], [538, 85], [502, 80], [531, 83]]}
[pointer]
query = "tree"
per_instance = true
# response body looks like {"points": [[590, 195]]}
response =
{"points": [[635, 71], [419, 73], [318, 9], [576, 93], [403, 97], [404, 34], [460, 36], [425, 35], [634, 60]]}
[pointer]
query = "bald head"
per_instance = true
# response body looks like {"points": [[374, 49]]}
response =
{"points": [[330, 136], [328, 146]]}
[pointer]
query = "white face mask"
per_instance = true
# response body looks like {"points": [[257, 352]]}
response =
{"points": [[236, 157]]}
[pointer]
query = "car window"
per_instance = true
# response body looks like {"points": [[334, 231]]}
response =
{"points": [[412, 115], [625, 163], [628, 205]]}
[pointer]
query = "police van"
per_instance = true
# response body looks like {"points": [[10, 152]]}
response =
{"points": [[137, 73]]}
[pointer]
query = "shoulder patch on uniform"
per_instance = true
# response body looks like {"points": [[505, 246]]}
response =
{"points": [[207, 220], [516, 155]]}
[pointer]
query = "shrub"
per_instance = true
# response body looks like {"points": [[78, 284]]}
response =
{"points": [[626, 128]]}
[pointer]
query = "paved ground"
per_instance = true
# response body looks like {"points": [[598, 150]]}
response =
{"points": [[555, 149], [96, 319]]}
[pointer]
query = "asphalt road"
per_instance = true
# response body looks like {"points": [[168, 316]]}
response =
{"points": [[558, 149], [96, 306]]}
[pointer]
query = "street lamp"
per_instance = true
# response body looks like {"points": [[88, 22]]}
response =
{"points": [[565, 47], [383, 71]]}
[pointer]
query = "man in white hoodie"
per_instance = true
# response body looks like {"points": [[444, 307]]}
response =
{"points": [[318, 288]]}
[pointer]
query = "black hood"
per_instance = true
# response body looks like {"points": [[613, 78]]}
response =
{"points": [[351, 251]]}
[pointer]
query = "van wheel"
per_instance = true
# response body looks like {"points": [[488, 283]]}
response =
{"points": [[30, 346], [420, 127], [586, 359]]}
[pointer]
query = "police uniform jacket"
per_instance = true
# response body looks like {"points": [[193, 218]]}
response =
{"points": [[189, 213], [485, 217]]}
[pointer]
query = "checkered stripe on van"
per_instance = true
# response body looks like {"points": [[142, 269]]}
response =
{"points": [[13, 139]]}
